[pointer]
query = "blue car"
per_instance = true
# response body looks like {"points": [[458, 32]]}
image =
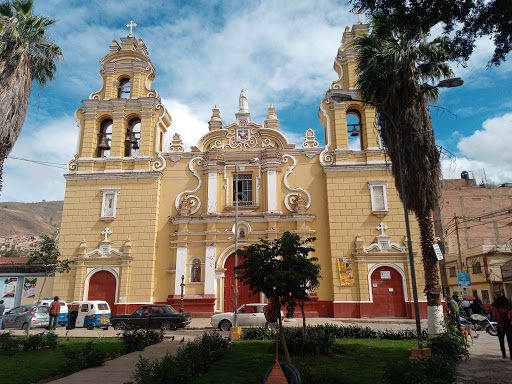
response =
{"points": [[25, 316]]}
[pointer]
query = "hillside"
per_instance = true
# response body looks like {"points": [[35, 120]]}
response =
{"points": [[30, 218]]}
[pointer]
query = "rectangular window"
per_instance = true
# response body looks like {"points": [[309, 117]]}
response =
{"points": [[244, 186], [485, 295], [453, 272], [477, 268]]}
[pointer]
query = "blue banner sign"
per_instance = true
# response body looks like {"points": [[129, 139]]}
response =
{"points": [[464, 280]]}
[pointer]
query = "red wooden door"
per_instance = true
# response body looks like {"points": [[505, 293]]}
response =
{"points": [[388, 294], [229, 287], [102, 286]]}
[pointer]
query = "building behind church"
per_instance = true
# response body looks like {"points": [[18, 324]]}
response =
{"points": [[138, 217]]}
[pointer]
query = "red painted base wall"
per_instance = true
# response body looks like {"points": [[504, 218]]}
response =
{"points": [[201, 306], [362, 310]]}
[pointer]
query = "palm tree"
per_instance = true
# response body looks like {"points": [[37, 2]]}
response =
{"points": [[25, 55], [392, 66]]}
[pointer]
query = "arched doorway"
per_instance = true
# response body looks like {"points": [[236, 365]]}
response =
{"points": [[102, 286], [229, 287], [388, 293]]}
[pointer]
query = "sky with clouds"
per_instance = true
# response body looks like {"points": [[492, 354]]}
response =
{"points": [[281, 52]]}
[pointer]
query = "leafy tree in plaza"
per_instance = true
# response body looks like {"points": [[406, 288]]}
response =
{"points": [[282, 270], [48, 256], [26, 55], [392, 67], [462, 21]]}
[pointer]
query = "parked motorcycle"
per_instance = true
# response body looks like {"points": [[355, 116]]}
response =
{"points": [[478, 322]]}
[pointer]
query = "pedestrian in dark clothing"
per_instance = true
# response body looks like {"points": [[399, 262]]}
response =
{"points": [[476, 305], [502, 311]]}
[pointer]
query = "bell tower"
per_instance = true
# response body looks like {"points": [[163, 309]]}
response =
{"points": [[122, 126]]}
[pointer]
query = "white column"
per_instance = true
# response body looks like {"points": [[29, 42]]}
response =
{"points": [[209, 271], [272, 190], [181, 267], [212, 192]]}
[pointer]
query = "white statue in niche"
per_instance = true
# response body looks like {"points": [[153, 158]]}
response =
{"points": [[243, 103]]}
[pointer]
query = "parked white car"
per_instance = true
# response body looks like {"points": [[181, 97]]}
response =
{"points": [[248, 315]]}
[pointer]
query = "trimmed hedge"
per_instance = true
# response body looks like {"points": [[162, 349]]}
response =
{"points": [[138, 339], [336, 332], [13, 344]]}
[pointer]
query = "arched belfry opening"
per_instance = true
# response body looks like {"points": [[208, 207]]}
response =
{"points": [[104, 138], [132, 138], [354, 130], [124, 88]]}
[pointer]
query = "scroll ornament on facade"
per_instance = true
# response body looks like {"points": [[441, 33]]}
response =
{"points": [[310, 140], [176, 143], [186, 202], [299, 200]]}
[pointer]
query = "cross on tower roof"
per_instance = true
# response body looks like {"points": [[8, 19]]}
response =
{"points": [[131, 25]]}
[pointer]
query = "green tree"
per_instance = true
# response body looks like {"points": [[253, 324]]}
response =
{"points": [[462, 21], [281, 270], [48, 256], [25, 55], [11, 253], [392, 67]]}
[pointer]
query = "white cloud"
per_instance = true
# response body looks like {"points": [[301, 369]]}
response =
{"points": [[486, 153], [53, 142]]}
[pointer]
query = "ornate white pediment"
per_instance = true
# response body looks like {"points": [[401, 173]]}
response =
{"points": [[382, 244]]}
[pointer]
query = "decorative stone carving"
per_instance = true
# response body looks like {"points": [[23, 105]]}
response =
{"points": [[186, 202], [215, 121], [299, 200], [272, 121], [310, 140], [104, 250], [176, 143]]}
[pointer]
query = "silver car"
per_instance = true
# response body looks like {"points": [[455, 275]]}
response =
{"points": [[248, 315], [26, 316]]}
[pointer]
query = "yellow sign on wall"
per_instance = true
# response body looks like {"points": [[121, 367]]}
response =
{"points": [[345, 272]]}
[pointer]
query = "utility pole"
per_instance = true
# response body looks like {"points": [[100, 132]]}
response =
{"points": [[463, 267]]}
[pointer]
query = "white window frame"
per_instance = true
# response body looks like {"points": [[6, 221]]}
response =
{"points": [[373, 185], [107, 193]]}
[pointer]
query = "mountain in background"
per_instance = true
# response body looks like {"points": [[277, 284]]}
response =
{"points": [[18, 219]]}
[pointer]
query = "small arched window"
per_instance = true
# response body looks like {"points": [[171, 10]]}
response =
{"points": [[195, 270], [354, 130], [104, 138], [132, 138], [379, 131], [124, 88]]}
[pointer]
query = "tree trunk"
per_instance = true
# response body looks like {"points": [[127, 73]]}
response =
{"points": [[304, 326], [432, 280], [15, 86], [283, 341]]}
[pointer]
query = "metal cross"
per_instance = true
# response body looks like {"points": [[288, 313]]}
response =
{"points": [[131, 25], [106, 232], [382, 227]]}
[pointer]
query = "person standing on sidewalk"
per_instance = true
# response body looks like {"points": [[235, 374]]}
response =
{"points": [[2, 309], [54, 313], [502, 311]]}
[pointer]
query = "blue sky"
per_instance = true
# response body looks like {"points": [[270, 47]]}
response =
{"points": [[281, 52]]}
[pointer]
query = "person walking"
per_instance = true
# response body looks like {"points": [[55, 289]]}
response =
{"points": [[54, 313], [2, 309], [502, 311], [453, 308]]}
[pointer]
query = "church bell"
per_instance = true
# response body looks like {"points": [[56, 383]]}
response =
{"points": [[354, 132], [104, 144]]}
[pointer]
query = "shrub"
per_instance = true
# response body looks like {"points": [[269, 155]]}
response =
{"points": [[451, 344], [317, 342], [190, 362], [256, 333], [433, 370], [138, 339], [82, 358], [12, 345]]}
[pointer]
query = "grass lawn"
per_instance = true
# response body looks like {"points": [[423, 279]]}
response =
{"points": [[32, 366], [360, 361]]}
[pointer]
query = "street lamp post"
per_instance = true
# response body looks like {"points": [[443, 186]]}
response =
{"points": [[448, 83], [236, 197]]}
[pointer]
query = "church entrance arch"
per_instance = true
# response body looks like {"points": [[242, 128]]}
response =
{"points": [[387, 293], [102, 286], [229, 287]]}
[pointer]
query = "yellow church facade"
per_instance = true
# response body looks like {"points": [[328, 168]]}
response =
{"points": [[144, 223]]}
